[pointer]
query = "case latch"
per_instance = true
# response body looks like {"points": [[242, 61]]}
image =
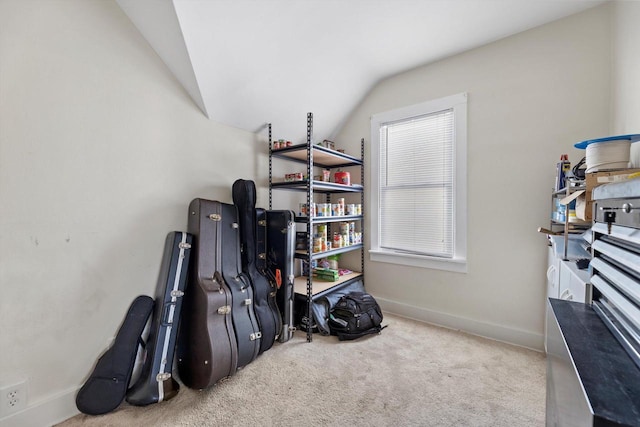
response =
{"points": [[163, 376]]}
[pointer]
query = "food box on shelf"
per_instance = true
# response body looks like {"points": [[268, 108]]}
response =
{"points": [[326, 274]]}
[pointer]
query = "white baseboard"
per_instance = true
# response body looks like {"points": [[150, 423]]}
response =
{"points": [[501, 333], [46, 413]]}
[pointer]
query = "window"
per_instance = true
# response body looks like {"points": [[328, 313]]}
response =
{"points": [[418, 178]]}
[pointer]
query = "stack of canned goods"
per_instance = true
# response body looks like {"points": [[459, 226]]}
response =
{"points": [[354, 209], [304, 211], [281, 143], [338, 209], [349, 234], [345, 236], [320, 241], [292, 177], [330, 209]]}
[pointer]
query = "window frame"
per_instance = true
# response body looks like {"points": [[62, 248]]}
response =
{"points": [[458, 263]]}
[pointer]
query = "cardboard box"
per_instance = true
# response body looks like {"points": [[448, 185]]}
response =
{"points": [[594, 179], [584, 206], [584, 203]]}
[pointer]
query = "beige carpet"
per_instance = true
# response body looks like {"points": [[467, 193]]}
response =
{"points": [[411, 375]]}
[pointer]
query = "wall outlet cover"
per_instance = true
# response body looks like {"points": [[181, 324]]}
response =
{"points": [[13, 398]]}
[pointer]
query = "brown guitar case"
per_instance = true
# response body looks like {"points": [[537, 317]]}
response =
{"points": [[207, 349]]}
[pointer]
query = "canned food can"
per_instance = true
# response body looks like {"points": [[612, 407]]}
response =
{"points": [[335, 209], [351, 209], [344, 227], [322, 231], [343, 178], [303, 209], [318, 243], [337, 240]]}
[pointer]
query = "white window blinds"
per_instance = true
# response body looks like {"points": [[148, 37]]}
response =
{"points": [[416, 185]]}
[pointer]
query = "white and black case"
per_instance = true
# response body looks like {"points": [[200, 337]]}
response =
{"points": [[156, 382], [281, 244]]}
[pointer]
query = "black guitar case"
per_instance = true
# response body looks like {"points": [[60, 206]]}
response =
{"points": [[245, 324], [106, 387], [207, 349], [253, 233], [261, 263], [156, 382], [281, 238]]}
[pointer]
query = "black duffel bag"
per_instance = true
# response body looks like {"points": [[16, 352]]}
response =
{"points": [[355, 315]]}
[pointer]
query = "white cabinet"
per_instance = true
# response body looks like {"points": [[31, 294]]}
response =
{"points": [[553, 274], [565, 281], [572, 285]]}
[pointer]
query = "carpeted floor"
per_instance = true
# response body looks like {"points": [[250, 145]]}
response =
{"points": [[412, 374]]}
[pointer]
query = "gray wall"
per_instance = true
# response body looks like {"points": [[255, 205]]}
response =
{"points": [[530, 98], [101, 151], [626, 69]]}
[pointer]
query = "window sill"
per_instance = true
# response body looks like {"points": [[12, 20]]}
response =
{"points": [[456, 265]]}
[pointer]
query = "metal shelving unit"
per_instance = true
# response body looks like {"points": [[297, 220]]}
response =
{"points": [[567, 226], [316, 156]]}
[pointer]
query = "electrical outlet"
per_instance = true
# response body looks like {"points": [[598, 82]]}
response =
{"points": [[13, 398]]}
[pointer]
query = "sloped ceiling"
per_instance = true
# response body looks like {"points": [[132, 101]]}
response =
{"points": [[249, 62]]}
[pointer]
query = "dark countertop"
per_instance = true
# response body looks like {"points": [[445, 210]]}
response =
{"points": [[610, 378]]}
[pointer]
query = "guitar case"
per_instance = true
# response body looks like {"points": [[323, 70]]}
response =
{"points": [[253, 242], [207, 349], [156, 382], [245, 324], [281, 238], [106, 387]]}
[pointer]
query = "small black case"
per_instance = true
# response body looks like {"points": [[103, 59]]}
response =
{"points": [[107, 385]]}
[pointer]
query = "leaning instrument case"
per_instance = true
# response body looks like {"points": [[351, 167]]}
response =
{"points": [[245, 324], [207, 349], [253, 232], [156, 382], [281, 239], [106, 387]]}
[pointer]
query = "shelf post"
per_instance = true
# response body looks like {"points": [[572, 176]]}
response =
{"points": [[270, 168], [363, 210], [309, 226]]}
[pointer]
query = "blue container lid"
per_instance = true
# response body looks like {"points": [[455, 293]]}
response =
{"points": [[630, 138]]}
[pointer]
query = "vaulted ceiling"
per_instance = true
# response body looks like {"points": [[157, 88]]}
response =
{"points": [[249, 62]]}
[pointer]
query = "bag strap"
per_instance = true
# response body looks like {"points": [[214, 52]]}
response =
{"points": [[346, 336]]}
